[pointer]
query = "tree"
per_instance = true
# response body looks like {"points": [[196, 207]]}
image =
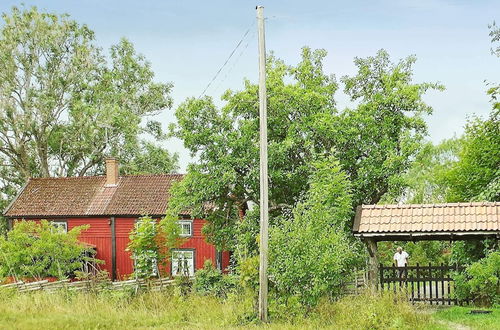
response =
{"points": [[65, 105], [425, 181], [377, 141], [475, 176], [312, 252], [226, 176], [374, 142], [40, 250]]}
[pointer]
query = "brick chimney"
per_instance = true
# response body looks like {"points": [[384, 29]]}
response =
{"points": [[112, 173]]}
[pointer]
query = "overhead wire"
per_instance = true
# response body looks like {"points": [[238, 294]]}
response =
{"points": [[227, 60], [231, 68]]}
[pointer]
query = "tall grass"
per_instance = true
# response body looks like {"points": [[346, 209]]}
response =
{"points": [[124, 310]]}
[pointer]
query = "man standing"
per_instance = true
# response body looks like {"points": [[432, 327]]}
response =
{"points": [[401, 259]]}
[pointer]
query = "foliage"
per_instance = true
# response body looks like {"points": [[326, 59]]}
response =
{"points": [[40, 250], [160, 310], [249, 273], [377, 141], [462, 315], [373, 311], [226, 143], [480, 281], [144, 247], [183, 285], [151, 243], [211, 281], [424, 252], [374, 142], [476, 173], [150, 159], [311, 253], [425, 181], [66, 105]]}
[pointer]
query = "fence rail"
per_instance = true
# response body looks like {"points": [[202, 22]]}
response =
{"points": [[429, 284], [88, 285]]}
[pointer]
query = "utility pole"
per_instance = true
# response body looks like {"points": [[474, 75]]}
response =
{"points": [[264, 213]]}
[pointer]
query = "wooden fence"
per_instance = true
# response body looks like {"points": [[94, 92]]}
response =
{"points": [[429, 284], [88, 285]]}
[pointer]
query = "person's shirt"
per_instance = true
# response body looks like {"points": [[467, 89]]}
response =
{"points": [[401, 258]]}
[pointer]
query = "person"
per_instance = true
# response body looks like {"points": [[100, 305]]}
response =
{"points": [[401, 259]]}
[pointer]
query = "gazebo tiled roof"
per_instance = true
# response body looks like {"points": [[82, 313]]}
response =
{"points": [[413, 220]]}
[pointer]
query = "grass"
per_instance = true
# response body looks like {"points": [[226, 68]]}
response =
{"points": [[154, 310], [461, 315]]}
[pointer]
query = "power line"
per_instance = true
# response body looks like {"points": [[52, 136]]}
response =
{"points": [[231, 68], [227, 60]]}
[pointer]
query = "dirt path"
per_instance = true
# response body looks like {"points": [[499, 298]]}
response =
{"points": [[453, 325]]}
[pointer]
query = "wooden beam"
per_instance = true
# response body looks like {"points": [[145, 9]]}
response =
{"points": [[113, 249], [371, 245]]}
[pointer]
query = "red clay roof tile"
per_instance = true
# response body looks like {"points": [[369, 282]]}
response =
{"points": [[415, 218]]}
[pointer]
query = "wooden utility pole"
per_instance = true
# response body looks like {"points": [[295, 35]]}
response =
{"points": [[264, 214]]}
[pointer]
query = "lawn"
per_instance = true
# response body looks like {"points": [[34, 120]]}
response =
{"points": [[124, 310], [462, 316]]}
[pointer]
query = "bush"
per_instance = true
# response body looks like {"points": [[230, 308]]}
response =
{"points": [[211, 281], [39, 250], [480, 281], [312, 253]]}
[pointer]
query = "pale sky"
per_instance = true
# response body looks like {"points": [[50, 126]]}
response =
{"points": [[188, 41]]}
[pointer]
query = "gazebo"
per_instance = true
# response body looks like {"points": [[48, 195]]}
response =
{"points": [[416, 222]]}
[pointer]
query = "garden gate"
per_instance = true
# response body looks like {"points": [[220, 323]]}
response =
{"points": [[429, 284]]}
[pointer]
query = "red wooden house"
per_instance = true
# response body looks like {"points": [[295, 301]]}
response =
{"points": [[110, 205]]}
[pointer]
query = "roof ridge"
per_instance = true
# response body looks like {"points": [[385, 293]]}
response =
{"points": [[429, 205], [104, 176]]}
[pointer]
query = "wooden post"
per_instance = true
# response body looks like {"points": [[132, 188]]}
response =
{"points": [[371, 245], [113, 248], [264, 213]]}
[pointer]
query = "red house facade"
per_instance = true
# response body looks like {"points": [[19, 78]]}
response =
{"points": [[110, 205]]}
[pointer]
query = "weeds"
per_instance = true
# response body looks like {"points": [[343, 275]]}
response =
{"points": [[126, 310]]}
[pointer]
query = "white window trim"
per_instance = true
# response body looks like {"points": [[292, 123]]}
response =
{"points": [[184, 222], [59, 224], [173, 260]]}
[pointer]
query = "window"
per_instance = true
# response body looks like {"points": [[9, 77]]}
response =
{"points": [[61, 226], [183, 262], [153, 260], [186, 228]]}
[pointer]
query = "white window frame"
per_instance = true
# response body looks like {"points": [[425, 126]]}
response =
{"points": [[175, 260], [60, 224], [186, 222]]}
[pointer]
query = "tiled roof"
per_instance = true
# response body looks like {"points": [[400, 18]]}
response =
{"points": [[89, 196], [428, 218]]}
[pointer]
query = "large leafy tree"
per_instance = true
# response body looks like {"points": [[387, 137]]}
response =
{"points": [[374, 142], [377, 141], [65, 105], [226, 142], [476, 174]]}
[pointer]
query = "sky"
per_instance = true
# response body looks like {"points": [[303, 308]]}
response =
{"points": [[187, 42]]}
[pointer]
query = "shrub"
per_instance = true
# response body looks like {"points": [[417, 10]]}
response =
{"points": [[480, 281], [211, 281], [249, 273], [39, 250], [311, 253]]}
